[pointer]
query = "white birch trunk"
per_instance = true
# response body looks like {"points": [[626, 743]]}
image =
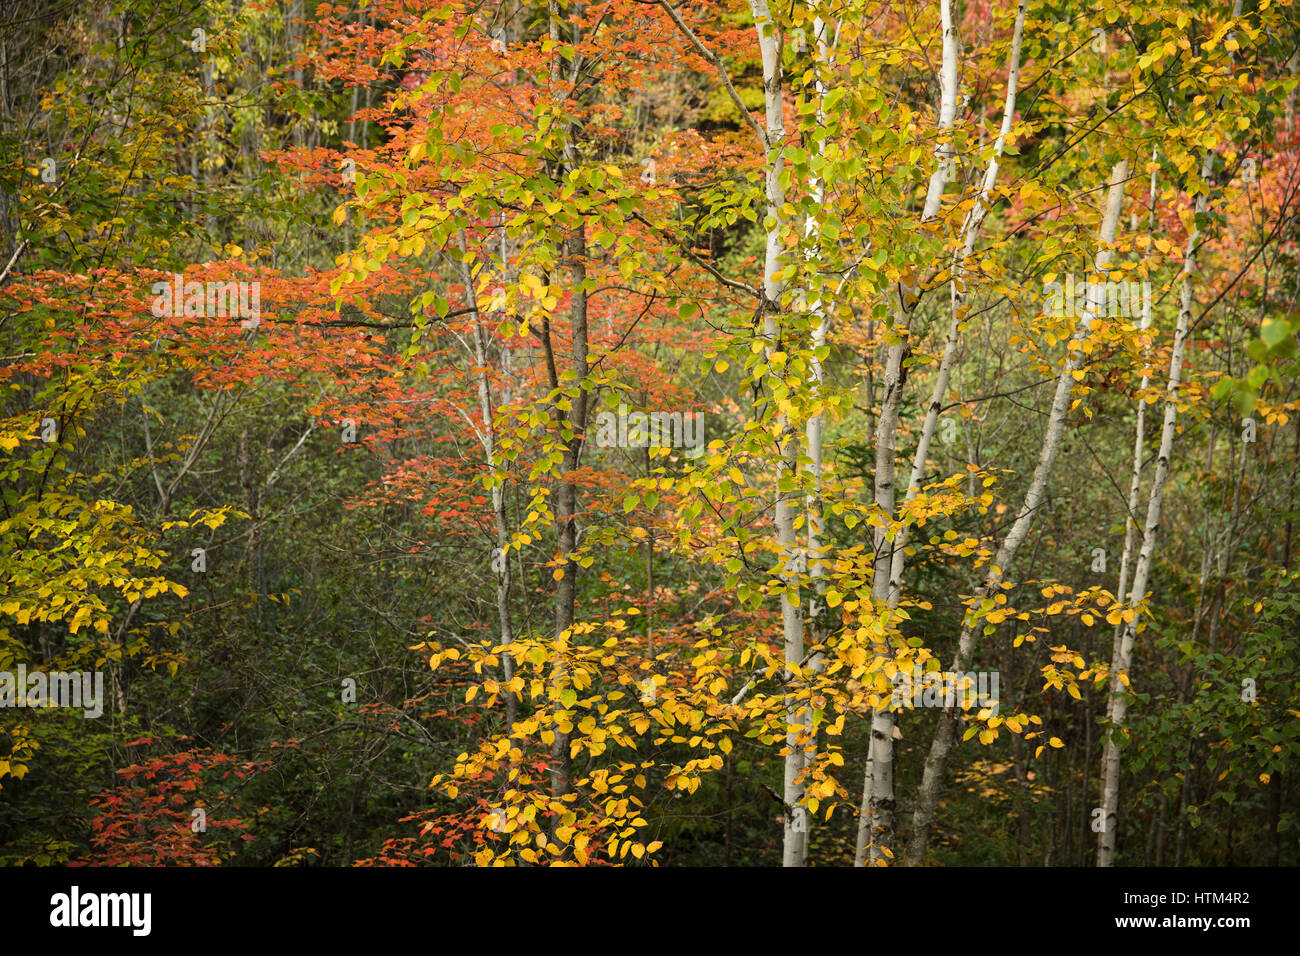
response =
{"points": [[1135, 480], [795, 836], [813, 435], [772, 140], [876, 815]]}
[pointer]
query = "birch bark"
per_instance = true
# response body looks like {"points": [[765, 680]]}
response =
{"points": [[795, 833]]}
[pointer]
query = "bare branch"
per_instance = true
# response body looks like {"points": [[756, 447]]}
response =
{"points": [[716, 63]]}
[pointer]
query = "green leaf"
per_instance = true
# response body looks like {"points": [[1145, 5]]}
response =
{"points": [[1274, 332]]}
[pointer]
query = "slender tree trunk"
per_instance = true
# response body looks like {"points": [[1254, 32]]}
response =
{"points": [[566, 496], [876, 815], [293, 36], [876, 819], [487, 437], [256, 579], [649, 568], [1119, 690], [813, 435], [1135, 481], [794, 841]]}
